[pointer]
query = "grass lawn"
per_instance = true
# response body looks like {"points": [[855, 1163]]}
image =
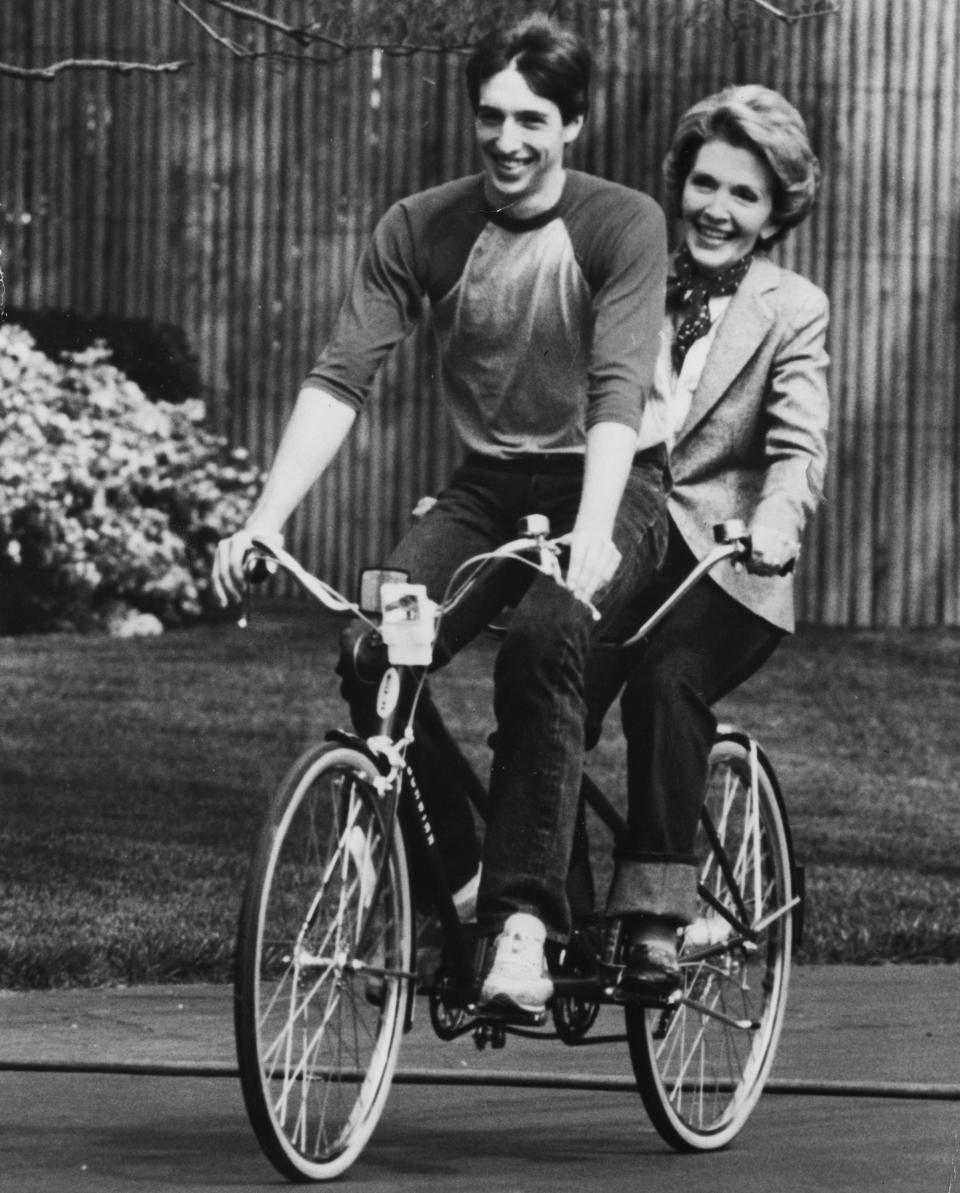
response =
{"points": [[133, 775]]}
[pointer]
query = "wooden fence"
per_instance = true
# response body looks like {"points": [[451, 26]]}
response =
{"points": [[233, 198]]}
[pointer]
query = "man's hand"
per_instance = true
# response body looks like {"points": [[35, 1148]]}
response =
{"points": [[593, 560], [228, 577], [593, 555], [771, 551]]}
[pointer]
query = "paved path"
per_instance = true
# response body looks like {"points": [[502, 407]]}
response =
{"points": [[850, 1032]]}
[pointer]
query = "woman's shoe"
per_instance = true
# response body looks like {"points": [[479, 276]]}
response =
{"points": [[650, 969]]}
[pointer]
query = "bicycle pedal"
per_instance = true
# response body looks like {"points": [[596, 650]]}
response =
{"points": [[505, 1012], [654, 1002], [492, 1033]]}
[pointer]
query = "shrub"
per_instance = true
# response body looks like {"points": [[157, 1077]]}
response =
{"points": [[108, 502], [156, 356]]}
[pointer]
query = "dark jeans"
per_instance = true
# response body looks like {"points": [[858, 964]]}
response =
{"points": [[706, 647], [539, 673]]}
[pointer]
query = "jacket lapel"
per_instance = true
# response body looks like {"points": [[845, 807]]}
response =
{"points": [[744, 325]]}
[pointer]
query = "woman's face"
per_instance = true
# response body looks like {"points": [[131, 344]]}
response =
{"points": [[726, 205]]}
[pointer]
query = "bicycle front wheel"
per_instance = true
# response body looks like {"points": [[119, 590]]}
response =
{"points": [[701, 1064], [323, 963]]}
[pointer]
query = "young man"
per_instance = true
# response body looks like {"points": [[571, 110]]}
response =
{"points": [[546, 295]]}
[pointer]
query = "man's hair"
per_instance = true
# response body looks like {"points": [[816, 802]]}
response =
{"points": [[756, 118], [554, 62]]}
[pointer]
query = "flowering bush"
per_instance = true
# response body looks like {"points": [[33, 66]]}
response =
{"points": [[108, 502]]}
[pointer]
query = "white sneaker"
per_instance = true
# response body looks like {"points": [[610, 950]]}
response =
{"points": [[518, 979]]}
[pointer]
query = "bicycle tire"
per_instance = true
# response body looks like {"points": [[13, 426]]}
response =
{"points": [[320, 1000], [700, 1077]]}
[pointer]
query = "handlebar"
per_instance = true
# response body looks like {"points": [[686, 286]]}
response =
{"points": [[533, 542], [733, 542], [409, 620], [732, 538]]}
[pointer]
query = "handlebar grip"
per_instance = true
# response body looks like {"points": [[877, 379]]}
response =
{"points": [[256, 569], [742, 554], [732, 531]]}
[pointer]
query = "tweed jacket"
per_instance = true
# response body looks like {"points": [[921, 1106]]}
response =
{"points": [[753, 445]]}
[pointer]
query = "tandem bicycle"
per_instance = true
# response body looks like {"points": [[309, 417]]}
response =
{"points": [[326, 967]]}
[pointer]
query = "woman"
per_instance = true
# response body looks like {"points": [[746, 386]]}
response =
{"points": [[743, 366]]}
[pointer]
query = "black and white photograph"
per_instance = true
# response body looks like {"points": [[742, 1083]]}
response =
{"points": [[480, 596]]}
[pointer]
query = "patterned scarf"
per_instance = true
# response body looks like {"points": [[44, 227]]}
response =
{"points": [[691, 291]]}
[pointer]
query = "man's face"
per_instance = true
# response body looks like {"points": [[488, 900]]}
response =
{"points": [[521, 137]]}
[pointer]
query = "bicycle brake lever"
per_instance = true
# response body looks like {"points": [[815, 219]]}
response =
{"points": [[550, 566], [594, 611]]}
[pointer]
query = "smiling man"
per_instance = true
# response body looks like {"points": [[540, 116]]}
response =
{"points": [[522, 137], [545, 292]]}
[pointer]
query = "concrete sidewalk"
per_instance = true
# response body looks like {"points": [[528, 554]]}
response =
{"points": [[888, 1039], [845, 1026]]}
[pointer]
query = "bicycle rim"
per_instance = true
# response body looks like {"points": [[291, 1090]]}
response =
{"points": [[320, 1003], [701, 1066]]}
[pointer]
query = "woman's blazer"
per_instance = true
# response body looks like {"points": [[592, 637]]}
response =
{"points": [[753, 445]]}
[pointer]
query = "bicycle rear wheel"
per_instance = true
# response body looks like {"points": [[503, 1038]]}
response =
{"points": [[701, 1064], [323, 961]]}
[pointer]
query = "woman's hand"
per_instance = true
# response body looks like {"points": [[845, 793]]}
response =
{"points": [[771, 551]]}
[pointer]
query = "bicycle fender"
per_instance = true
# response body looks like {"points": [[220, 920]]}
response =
{"points": [[355, 742]]}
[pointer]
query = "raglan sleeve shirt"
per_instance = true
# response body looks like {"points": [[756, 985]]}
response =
{"points": [[383, 305], [624, 252], [545, 327]]}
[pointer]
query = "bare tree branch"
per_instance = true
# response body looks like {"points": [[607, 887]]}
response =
{"points": [[50, 72], [299, 33], [221, 39], [311, 35], [400, 29]]}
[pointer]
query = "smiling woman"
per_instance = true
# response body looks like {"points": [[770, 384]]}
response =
{"points": [[768, 128], [743, 373], [727, 205]]}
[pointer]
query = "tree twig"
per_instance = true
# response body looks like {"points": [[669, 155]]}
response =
{"points": [[50, 72]]}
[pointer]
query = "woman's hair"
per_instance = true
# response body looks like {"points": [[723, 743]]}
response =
{"points": [[554, 62], [756, 118]]}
